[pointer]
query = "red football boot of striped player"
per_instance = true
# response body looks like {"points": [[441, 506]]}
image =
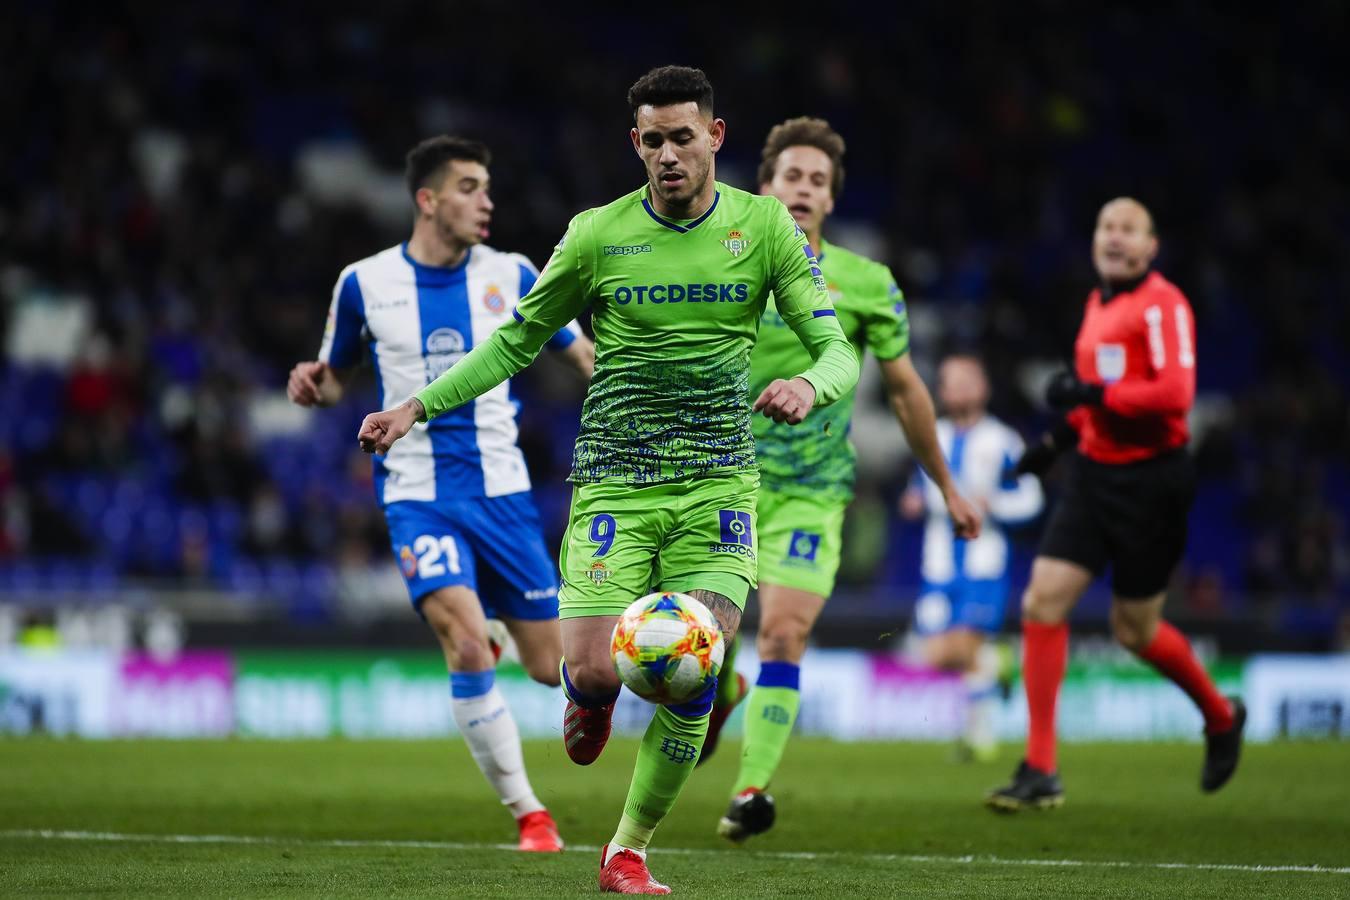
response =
{"points": [[586, 731], [539, 833], [625, 872]]}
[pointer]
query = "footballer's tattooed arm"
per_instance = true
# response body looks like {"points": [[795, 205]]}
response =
{"points": [[728, 616]]}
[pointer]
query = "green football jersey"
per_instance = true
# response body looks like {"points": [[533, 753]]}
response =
{"points": [[815, 458], [676, 307]]}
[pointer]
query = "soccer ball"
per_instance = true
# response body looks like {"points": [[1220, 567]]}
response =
{"points": [[667, 648]]}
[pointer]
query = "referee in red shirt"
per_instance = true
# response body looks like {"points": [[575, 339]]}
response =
{"points": [[1126, 501]]}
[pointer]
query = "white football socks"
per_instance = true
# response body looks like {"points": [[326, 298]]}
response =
{"points": [[490, 731], [982, 696]]}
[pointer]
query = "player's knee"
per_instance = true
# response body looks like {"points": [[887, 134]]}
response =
{"points": [[783, 640], [593, 678], [1132, 631], [471, 654], [1043, 606], [946, 654]]}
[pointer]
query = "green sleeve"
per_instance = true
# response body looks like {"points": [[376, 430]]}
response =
{"points": [[835, 370], [554, 301], [803, 300], [887, 324]]}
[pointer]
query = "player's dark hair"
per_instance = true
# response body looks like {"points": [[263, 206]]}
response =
{"points": [[804, 131], [426, 162], [668, 85]]}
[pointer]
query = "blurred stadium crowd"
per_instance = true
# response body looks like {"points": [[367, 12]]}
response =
{"points": [[180, 185]]}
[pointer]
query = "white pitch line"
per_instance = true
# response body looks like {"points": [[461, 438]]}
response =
{"points": [[970, 860]]}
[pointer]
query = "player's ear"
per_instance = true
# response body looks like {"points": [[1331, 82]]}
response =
{"points": [[717, 130], [1152, 247], [426, 201], [637, 144], [829, 204]]}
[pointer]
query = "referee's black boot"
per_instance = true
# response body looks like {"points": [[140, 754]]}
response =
{"points": [[1030, 789], [1222, 750]]}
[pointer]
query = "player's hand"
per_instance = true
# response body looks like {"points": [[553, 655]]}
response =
{"points": [[787, 401], [380, 430], [911, 504], [966, 519], [302, 387], [1066, 390], [1037, 459]]}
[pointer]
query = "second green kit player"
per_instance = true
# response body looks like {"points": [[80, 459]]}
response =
{"points": [[677, 276], [807, 472]]}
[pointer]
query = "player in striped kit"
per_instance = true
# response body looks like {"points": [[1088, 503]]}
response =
{"points": [[965, 582], [455, 492]]}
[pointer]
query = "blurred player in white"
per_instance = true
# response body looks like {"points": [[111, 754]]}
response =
{"points": [[965, 582], [455, 492]]}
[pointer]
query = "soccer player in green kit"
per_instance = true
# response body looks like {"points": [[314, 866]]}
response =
{"points": [[806, 473], [677, 275]]}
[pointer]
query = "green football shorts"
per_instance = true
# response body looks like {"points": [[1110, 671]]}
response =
{"points": [[799, 540], [623, 542]]}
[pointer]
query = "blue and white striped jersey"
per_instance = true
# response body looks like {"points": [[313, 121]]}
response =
{"points": [[981, 459], [417, 322]]}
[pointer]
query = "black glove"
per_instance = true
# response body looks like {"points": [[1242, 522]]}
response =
{"points": [[1037, 459], [1040, 456], [1066, 391]]}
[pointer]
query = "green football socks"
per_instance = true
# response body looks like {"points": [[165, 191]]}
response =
{"points": [[665, 761], [770, 712]]}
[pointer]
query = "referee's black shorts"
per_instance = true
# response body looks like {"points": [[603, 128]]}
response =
{"points": [[1131, 516]]}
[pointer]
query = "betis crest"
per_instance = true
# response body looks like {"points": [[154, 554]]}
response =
{"points": [[736, 242], [598, 573]]}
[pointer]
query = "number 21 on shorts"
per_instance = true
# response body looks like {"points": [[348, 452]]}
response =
{"points": [[430, 549]]}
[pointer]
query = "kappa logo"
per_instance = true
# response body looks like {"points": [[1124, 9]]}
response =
{"points": [[493, 300], [627, 249], [736, 242], [680, 752], [815, 268]]}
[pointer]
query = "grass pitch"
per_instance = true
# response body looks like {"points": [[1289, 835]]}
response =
{"points": [[415, 819]]}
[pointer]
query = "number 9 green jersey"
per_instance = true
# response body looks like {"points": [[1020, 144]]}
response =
{"points": [[676, 308]]}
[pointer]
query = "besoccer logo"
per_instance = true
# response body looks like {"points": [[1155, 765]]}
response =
{"points": [[803, 546], [736, 527], [737, 534], [680, 752]]}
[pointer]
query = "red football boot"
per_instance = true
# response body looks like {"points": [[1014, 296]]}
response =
{"points": [[539, 833], [719, 717], [625, 872], [586, 731]]}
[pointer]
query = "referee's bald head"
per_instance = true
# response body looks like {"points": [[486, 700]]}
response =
{"points": [[1125, 242], [1130, 206]]}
